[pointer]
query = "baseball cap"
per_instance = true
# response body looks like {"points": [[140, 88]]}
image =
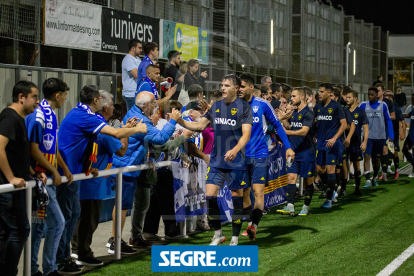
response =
{"points": [[173, 53], [194, 105]]}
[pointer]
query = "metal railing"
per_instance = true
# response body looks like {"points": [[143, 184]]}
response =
{"points": [[118, 202]]}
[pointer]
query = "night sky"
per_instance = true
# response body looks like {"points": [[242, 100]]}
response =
{"points": [[396, 16]]}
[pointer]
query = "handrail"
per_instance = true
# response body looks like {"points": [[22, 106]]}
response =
{"points": [[27, 67], [5, 188]]}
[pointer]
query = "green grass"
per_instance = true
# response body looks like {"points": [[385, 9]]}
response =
{"points": [[358, 236]]}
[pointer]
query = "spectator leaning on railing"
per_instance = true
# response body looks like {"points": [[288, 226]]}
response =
{"points": [[15, 169], [77, 145], [42, 129]]}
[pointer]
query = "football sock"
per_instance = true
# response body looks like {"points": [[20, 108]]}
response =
{"points": [[213, 215], [291, 192], [357, 180], [237, 218], [309, 189], [247, 213], [331, 186], [256, 217]]}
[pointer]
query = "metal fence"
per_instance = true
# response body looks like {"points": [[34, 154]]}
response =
{"points": [[299, 42]]}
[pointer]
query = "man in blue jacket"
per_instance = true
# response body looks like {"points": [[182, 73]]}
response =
{"points": [[145, 106]]}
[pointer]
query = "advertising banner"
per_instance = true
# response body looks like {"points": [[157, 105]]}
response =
{"points": [[191, 41], [119, 27], [72, 24], [275, 191]]}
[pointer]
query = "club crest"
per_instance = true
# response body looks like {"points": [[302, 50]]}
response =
{"points": [[330, 110], [300, 117], [255, 109], [48, 141], [356, 115], [234, 111]]}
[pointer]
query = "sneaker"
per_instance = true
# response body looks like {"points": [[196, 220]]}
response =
{"points": [[176, 237], [73, 256], [351, 176], [335, 197], [66, 267], [74, 264], [218, 240], [396, 175], [327, 205], [245, 232], [251, 231], [411, 175], [38, 273], [110, 241], [368, 184], [384, 177], [323, 195], [358, 193], [139, 242], [202, 222], [342, 194], [233, 243], [375, 184], [265, 211], [125, 249], [90, 261], [288, 210], [305, 211], [53, 273], [390, 171], [152, 237], [381, 176]]}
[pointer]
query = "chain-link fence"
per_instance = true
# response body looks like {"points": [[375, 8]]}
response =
{"points": [[299, 42]]}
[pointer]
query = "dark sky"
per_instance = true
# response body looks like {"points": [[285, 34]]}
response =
{"points": [[395, 16]]}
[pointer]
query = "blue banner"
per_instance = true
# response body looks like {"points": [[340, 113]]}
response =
{"points": [[275, 190], [202, 258]]}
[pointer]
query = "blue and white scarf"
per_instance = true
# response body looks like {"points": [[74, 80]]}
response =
{"points": [[148, 59], [49, 140], [154, 89]]}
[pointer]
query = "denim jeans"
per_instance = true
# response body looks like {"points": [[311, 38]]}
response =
{"points": [[53, 225], [130, 102], [14, 230], [68, 199]]}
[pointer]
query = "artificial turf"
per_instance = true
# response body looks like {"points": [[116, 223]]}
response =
{"points": [[358, 236]]}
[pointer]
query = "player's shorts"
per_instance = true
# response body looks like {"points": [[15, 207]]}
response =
{"points": [[302, 168], [257, 170], [129, 185], [332, 156], [375, 147], [235, 179], [354, 154]]}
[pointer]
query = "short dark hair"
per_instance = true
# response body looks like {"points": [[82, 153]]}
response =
{"points": [[149, 46], [337, 93], [347, 89], [194, 90], [380, 85], [133, 43], [286, 88], [247, 78], [373, 89], [389, 95], [151, 66], [308, 91], [215, 94], [301, 91], [326, 85], [264, 90], [88, 93], [168, 106], [22, 87], [235, 79], [275, 87], [378, 77], [117, 114], [52, 86]]}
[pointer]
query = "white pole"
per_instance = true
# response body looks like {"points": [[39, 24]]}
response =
{"points": [[412, 75], [301, 186], [118, 214], [28, 246], [347, 64]]}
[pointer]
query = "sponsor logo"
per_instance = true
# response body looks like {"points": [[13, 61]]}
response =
{"points": [[202, 258], [309, 173], [324, 117], [255, 119], [224, 121], [262, 178], [218, 110], [234, 111], [333, 161], [356, 122], [295, 124], [243, 183], [255, 109]]}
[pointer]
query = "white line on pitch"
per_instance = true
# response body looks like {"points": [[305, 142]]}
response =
{"points": [[397, 262]]}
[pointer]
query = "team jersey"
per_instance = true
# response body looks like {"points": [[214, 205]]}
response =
{"points": [[360, 118], [396, 123], [263, 112], [378, 114], [75, 131], [411, 130], [100, 188], [348, 117], [328, 122], [227, 121], [303, 146]]}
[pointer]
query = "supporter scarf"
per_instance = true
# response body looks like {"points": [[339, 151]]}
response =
{"points": [[49, 140], [91, 152], [148, 59], [154, 89], [109, 166]]}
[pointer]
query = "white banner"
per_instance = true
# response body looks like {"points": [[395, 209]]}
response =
{"points": [[72, 24]]}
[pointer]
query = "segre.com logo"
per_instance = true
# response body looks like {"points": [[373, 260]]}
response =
{"points": [[196, 258]]}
